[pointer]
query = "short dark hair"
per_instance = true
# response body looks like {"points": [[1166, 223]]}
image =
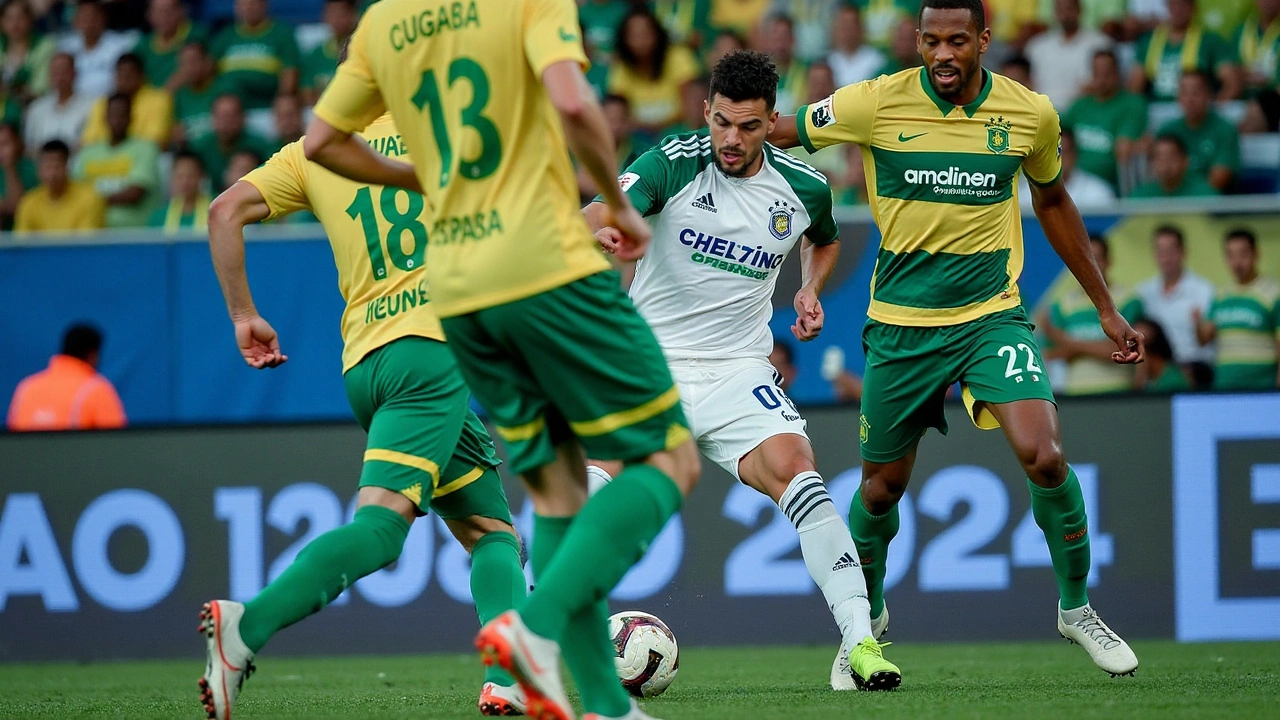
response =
{"points": [[745, 75], [1109, 54], [1203, 76], [974, 7], [252, 154], [56, 146], [614, 98], [81, 340], [1173, 140], [1173, 231], [131, 58], [1156, 341], [188, 155], [1244, 234], [120, 97], [1018, 61]]}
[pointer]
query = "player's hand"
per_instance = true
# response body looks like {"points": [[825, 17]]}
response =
{"points": [[809, 316], [1130, 345], [258, 343], [610, 239], [633, 231]]}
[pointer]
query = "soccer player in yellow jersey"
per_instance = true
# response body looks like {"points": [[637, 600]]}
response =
{"points": [[943, 146], [426, 451], [487, 92]]}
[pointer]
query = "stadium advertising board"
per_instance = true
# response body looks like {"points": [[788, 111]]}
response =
{"points": [[109, 542]]}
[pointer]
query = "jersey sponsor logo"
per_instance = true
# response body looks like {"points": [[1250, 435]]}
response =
{"points": [[388, 306], [780, 214], [627, 180], [1238, 317], [454, 16], [753, 262], [823, 114], [954, 181], [457, 229], [998, 134], [705, 203]]}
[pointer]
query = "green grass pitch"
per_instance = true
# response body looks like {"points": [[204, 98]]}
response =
{"points": [[1019, 680]]}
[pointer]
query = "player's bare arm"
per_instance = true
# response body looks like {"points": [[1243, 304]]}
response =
{"points": [[351, 157], [784, 133], [240, 205], [1066, 232], [588, 136], [817, 262]]}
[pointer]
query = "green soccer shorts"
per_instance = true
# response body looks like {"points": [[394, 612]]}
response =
{"points": [[424, 441], [994, 358], [578, 362]]}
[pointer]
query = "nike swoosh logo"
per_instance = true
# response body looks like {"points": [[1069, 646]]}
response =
{"points": [[567, 36], [906, 138]]}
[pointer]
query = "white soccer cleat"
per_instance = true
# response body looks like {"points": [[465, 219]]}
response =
{"points": [[532, 660], [1108, 651], [841, 670], [635, 714], [501, 701], [227, 660]]}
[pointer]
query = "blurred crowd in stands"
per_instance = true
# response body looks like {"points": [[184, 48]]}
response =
{"points": [[133, 113]]}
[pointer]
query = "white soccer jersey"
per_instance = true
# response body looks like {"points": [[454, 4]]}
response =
{"points": [[706, 282]]}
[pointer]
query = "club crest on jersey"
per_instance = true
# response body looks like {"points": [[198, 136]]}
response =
{"points": [[998, 134], [780, 214], [627, 180], [822, 114]]}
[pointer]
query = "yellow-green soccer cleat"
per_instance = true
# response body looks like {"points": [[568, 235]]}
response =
{"points": [[870, 670]]}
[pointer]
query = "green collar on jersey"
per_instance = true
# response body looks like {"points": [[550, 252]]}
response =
{"points": [[947, 106]]}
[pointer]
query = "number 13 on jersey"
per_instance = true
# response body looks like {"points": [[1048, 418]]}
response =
{"points": [[429, 98]]}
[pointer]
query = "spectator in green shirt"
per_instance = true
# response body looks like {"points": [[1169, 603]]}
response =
{"points": [[188, 205], [1159, 374], [1169, 169], [1257, 45], [229, 136], [257, 56], [198, 86], [17, 174], [26, 55], [171, 30], [1245, 320], [600, 20], [321, 62], [1213, 145], [1107, 121], [124, 170], [287, 112], [1180, 46]]}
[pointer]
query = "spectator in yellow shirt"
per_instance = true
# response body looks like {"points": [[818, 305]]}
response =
{"points": [[152, 107], [649, 71], [57, 204]]}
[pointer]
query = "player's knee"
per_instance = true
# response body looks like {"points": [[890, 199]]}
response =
{"points": [[882, 489], [468, 530], [1045, 464]]}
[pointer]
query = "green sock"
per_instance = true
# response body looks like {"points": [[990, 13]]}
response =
{"points": [[497, 585], [1060, 514], [585, 645], [607, 537], [323, 569], [871, 535]]}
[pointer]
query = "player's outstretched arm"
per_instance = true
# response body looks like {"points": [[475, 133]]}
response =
{"points": [[784, 134], [353, 158], [240, 205], [1066, 232]]}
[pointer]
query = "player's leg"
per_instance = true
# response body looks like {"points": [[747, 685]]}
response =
{"points": [[413, 402], [1004, 384], [569, 341]]}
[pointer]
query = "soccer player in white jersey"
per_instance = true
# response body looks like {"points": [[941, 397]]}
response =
{"points": [[726, 210]]}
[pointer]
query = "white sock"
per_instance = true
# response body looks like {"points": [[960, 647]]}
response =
{"points": [[596, 479], [829, 553]]}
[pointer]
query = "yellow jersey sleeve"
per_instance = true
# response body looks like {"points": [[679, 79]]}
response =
{"points": [[844, 117], [282, 180], [1043, 165], [352, 99], [551, 34]]}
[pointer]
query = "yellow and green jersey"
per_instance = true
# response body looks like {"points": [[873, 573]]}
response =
{"points": [[1247, 318], [379, 240], [941, 181], [1076, 316], [488, 147]]}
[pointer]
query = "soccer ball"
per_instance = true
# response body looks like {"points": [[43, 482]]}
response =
{"points": [[648, 657]]}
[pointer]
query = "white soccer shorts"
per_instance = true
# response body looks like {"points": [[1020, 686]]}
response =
{"points": [[732, 406]]}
